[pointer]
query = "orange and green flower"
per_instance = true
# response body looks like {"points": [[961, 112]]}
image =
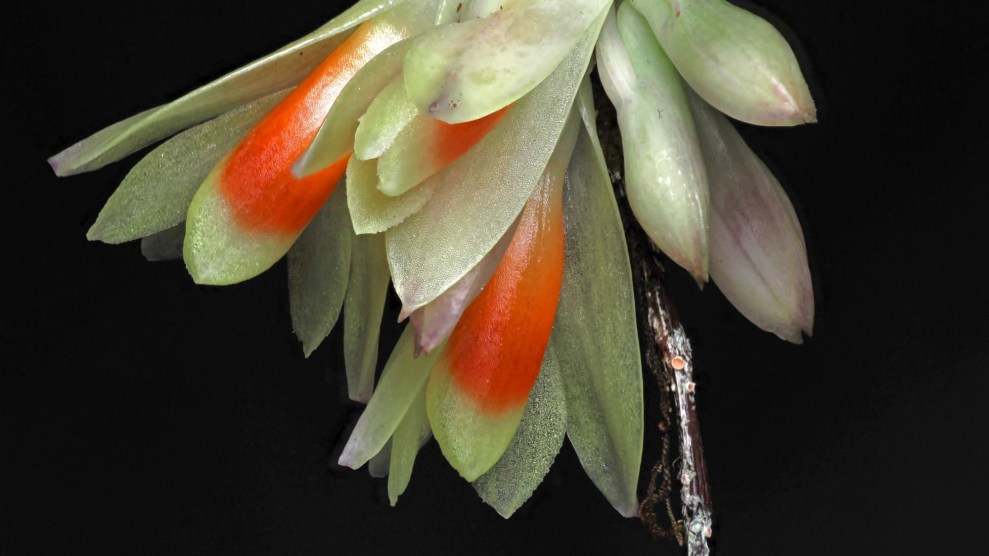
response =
{"points": [[448, 151]]}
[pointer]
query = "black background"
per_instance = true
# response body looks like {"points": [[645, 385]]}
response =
{"points": [[144, 415]]}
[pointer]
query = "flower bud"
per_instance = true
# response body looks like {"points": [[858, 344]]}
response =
{"points": [[737, 61], [758, 257], [665, 177]]}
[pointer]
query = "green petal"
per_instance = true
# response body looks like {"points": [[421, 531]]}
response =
{"points": [[165, 245], [156, 193], [387, 116], [507, 485], [363, 308], [665, 178], [478, 196], [464, 71], [595, 335], [734, 59], [277, 71], [403, 377], [409, 437], [318, 269], [371, 210]]}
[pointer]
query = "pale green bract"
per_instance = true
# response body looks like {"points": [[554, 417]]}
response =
{"points": [[277, 71], [453, 76], [478, 196], [387, 116], [401, 380], [156, 193], [507, 485], [371, 210], [595, 336], [665, 179], [318, 270]]}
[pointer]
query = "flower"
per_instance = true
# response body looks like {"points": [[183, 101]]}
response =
{"points": [[450, 150]]}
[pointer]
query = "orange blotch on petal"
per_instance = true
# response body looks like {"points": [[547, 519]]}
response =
{"points": [[495, 353], [257, 181]]}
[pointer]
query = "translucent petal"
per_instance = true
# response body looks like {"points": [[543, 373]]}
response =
{"points": [[371, 210], [165, 245], [156, 193], [507, 485], [665, 177], [481, 383], [318, 270], [274, 72], [758, 256], [388, 115], [363, 308], [479, 196], [409, 437], [435, 321], [403, 377], [734, 59], [595, 335], [463, 71]]}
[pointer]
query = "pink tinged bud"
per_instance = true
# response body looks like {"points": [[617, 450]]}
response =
{"points": [[737, 61], [758, 257]]}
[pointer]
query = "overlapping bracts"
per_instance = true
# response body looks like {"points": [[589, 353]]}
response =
{"points": [[449, 149]]}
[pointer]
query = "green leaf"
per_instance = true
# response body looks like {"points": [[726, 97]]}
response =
{"points": [[507, 485], [156, 193], [478, 196], [363, 308], [595, 337], [409, 437], [318, 270], [279, 70], [464, 71], [401, 380]]}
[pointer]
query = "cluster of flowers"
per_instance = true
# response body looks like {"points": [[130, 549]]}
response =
{"points": [[449, 149]]}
